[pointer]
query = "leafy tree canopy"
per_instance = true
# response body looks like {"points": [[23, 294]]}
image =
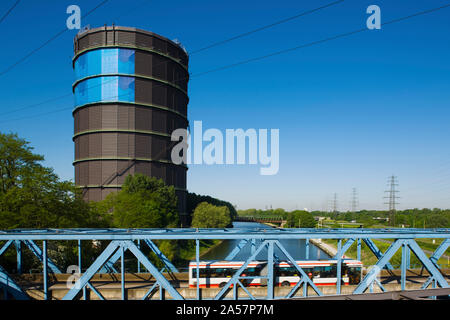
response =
{"points": [[32, 196], [193, 200], [207, 215], [143, 202], [300, 219]]}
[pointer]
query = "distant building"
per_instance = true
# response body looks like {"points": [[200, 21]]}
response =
{"points": [[130, 94]]}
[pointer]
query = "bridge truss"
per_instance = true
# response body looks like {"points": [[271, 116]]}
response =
{"points": [[259, 240]]}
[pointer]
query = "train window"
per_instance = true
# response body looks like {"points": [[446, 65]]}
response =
{"points": [[344, 270], [229, 272], [286, 271], [328, 272], [204, 273], [317, 271], [308, 271], [219, 272], [354, 275], [213, 273], [251, 272]]}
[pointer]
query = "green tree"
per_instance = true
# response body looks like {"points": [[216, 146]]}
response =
{"points": [[32, 196], [290, 220], [143, 202], [193, 200], [210, 216], [304, 219], [437, 221]]}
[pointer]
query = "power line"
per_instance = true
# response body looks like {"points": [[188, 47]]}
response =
{"points": [[38, 115], [9, 11], [37, 104], [355, 202], [310, 44], [335, 204], [47, 42], [265, 27], [129, 11], [54, 99], [392, 198], [205, 48]]}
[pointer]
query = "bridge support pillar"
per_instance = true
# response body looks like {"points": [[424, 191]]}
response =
{"points": [[44, 263], [405, 249], [307, 249], [358, 250], [270, 280]]}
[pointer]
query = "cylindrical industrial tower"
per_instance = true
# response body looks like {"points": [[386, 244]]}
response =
{"points": [[130, 94]]}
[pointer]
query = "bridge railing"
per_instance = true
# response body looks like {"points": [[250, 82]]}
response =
{"points": [[260, 241]]}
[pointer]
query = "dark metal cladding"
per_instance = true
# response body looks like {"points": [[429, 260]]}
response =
{"points": [[116, 137]]}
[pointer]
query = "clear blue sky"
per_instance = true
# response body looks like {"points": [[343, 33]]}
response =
{"points": [[351, 111]]}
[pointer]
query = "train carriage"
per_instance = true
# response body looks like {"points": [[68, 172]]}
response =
{"points": [[213, 274]]}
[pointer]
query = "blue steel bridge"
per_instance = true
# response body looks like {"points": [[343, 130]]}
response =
{"points": [[258, 240]]}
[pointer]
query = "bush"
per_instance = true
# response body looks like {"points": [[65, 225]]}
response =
{"points": [[143, 202], [210, 216], [193, 200]]}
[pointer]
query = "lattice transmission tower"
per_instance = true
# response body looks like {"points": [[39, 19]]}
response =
{"points": [[335, 204], [355, 202], [392, 183]]}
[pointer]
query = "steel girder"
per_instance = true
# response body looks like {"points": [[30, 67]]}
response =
{"points": [[201, 234], [304, 278], [18, 246], [39, 254], [109, 266], [406, 244], [237, 274], [427, 263], [123, 240], [111, 249], [376, 251], [384, 259], [440, 251], [435, 257], [161, 255], [237, 249], [11, 286], [34, 248], [6, 246]]}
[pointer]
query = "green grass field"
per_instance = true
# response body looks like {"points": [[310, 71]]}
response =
{"points": [[368, 258]]}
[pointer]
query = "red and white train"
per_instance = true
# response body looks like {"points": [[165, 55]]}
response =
{"points": [[213, 274]]}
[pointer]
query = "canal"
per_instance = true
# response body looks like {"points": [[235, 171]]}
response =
{"points": [[295, 247]]}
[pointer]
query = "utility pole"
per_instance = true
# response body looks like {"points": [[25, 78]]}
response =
{"points": [[335, 204], [392, 183], [355, 202]]}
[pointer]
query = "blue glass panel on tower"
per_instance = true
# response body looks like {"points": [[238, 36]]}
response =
{"points": [[81, 67], [105, 61], [109, 89], [126, 89], [100, 62], [126, 62], [88, 91], [94, 63], [105, 89], [109, 61]]}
